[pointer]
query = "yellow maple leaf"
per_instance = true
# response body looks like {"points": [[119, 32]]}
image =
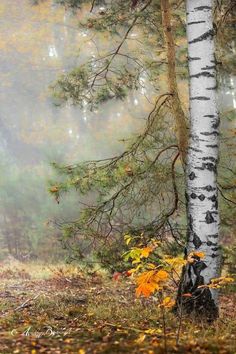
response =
{"points": [[228, 279], [140, 339], [222, 280], [176, 261], [168, 302], [81, 351], [151, 266]]}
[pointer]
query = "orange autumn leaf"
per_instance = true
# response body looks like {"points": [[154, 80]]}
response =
{"points": [[146, 251], [146, 289], [199, 254], [162, 275], [152, 276], [150, 281], [54, 189], [145, 277], [193, 256]]}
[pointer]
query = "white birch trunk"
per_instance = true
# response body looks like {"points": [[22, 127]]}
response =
{"points": [[201, 172]]}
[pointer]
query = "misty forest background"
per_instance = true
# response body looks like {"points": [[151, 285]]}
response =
{"points": [[41, 43], [45, 134]]}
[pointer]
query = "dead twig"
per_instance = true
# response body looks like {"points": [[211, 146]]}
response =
{"points": [[25, 304]]}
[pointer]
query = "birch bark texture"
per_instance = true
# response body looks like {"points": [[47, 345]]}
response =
{"points": [[202, 159]]}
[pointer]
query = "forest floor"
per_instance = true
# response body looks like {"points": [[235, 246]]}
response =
{"points": [[59, 309]]}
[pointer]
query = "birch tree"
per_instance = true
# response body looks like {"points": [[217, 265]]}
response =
{"points": [[201, 172]]}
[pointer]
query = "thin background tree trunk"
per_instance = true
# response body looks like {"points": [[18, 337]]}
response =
{"points": [[177, 110]]}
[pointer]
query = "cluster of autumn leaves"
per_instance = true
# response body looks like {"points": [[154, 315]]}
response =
{"points": [[151, 281], [155, 274]]}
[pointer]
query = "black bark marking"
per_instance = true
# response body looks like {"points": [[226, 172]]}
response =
{"points": [[185, 251], [216, 124], [194, 137], [193, 58], [210, 115], [200, 98], [209, 218], [209, 158], [203, 73], [201, 197], [193, 195], [196, 240], [204, 36], [214, 146], [213, 236], [214, 255], [186, 197], [192, 176], [190, 222], [215, 132], [213, 198], [215, 249], [196, 150], [201, 8], [195, 22], [212, 88], [207, 166], [209, 243], [209, 188], [208, 67]]}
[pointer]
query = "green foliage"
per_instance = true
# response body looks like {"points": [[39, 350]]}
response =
{"points": [[71, 86], [79, 86]]}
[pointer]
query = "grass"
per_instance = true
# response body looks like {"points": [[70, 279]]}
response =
{"points": [[60, 309]]}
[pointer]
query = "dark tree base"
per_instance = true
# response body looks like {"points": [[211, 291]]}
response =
{"points": [[200, 306], [193, 298]]}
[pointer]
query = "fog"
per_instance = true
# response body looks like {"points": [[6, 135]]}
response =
{"points": [[38, 43]]}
